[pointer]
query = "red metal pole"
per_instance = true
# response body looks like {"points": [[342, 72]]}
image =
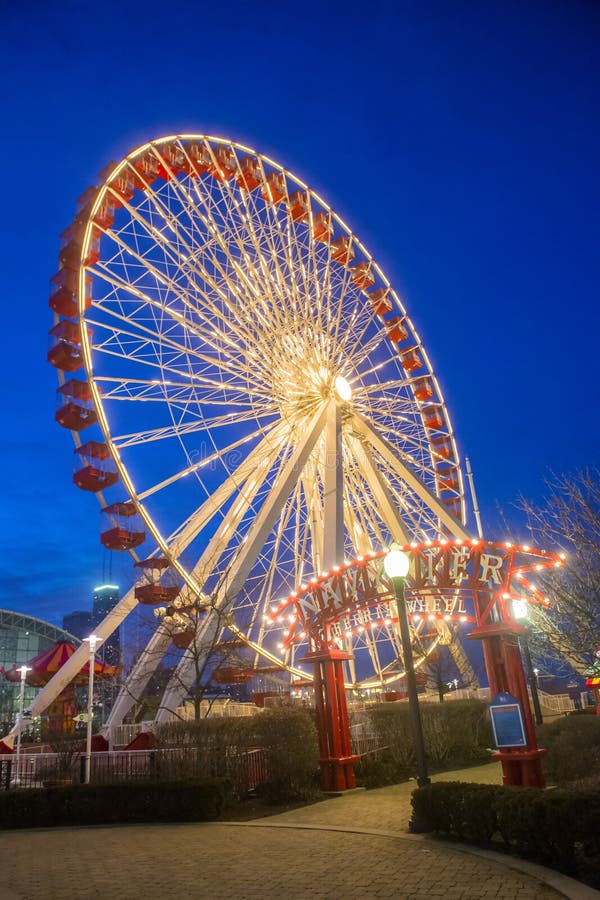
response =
{"points": [[335, 747]]}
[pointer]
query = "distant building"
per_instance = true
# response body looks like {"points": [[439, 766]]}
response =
{"points": [[21, 638], [78, 623], [106, 596]]}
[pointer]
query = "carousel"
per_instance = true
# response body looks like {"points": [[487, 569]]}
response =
{"points": [[62, 711]]}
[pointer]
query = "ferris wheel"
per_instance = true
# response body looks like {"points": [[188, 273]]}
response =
{"points": [[249, 399]]}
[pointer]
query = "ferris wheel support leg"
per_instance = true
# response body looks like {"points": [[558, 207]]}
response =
{"points": [[251, 547], [159, 642], [181, 681], [138, 678], [251, 479], [333, 525]]}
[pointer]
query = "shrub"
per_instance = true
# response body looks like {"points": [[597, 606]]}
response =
{"points": [[378, 770], [109, 804], [455, 808], [573, 744], [218, 746], [391, 723], [558, 828], [456, 734], [290, 738]]}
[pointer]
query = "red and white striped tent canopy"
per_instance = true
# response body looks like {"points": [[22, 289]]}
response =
{"points": [[46, 664]]}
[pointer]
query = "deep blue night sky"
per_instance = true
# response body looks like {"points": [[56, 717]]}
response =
{"points": [[459, 140]]}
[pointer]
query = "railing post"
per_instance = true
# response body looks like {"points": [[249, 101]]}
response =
{"points": [[6, 770]]}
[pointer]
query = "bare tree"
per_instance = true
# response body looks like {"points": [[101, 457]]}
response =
{"points": [[440, 670], [569, 519], [215, 656]]}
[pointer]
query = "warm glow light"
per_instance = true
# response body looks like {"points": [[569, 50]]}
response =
{"points": [[396, 564], [343, 389], [519, 609]]}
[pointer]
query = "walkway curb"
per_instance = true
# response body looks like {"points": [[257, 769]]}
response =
{"points": [[568, 887]]}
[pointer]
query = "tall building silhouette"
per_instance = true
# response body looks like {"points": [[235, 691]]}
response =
{"points": [[78, 623], [106, 596]]}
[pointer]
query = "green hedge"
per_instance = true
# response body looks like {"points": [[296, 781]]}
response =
{"points": [[456, 733], [557, 828], [287, 735], [109, 804]]}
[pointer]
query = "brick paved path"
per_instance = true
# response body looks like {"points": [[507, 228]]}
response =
{"points": [[217, 861], [316, 851]]}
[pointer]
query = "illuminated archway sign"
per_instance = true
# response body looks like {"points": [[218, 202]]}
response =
{"points": [[456, 580]]}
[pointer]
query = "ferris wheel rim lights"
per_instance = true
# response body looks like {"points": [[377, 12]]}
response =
{"points": [[216, 165]]}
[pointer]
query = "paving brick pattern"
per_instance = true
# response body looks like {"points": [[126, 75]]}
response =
{"points": [[313, 852], [147, 862]]}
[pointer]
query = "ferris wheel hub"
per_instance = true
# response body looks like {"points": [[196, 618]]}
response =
{"points": [[343, 389]]}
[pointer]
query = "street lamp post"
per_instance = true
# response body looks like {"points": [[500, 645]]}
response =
{"points": [[396, 566], [23, 670], [93, 641], [520, 613]]}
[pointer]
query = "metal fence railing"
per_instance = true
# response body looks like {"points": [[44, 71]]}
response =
{"points": [[364, 740], [558, 703], [122, 735], [246, 769]]}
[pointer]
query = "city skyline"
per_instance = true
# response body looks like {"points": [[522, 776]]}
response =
{"points": [[461, 147]]}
